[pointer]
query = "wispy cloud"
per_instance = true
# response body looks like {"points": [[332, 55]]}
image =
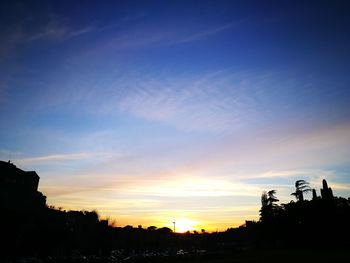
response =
{"points": [[57, 29], [315, 174], [21, 32], [191, 187], [60, 158], [204, 34], [153, 37], [219, 101], [141, 36]]}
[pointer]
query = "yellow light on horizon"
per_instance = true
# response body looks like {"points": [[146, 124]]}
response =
{"points": [[183, 225]]}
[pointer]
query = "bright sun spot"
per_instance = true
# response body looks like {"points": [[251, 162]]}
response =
{"points": [[184, 224]]}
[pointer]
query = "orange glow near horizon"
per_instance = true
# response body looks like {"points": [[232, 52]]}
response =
{"points": [[183, 225]]}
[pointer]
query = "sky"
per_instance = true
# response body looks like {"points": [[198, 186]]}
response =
{"points": [[152, 112]]}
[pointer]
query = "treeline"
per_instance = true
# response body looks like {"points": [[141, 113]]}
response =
{"points": [[51, 232], [46, 231], [322, 221]]}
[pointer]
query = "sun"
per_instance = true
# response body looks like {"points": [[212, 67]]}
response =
{"points": [[183, 225]]}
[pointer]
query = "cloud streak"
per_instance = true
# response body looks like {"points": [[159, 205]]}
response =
{"points": [[60, 158], [219, 101], [205, 34], [215, 102]]}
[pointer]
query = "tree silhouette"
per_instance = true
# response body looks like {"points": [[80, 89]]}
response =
{"points": [[326, 192], [301, 187], [271, 199], [314, 194], [268, 206], [264, 197]]}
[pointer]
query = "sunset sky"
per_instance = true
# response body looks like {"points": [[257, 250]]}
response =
{"points": [[152, 112]]}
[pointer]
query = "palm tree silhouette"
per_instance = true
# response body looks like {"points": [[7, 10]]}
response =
{"points": [[301, 187]]}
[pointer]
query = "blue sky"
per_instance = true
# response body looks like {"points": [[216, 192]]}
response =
{"points": [[155, 111]]}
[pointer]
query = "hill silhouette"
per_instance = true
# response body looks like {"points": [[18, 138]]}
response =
{"points": [[300, 230]]}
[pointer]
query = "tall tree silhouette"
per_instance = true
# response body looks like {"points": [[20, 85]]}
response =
{"points": [[268, 206], [326, 192], [301, 187]]}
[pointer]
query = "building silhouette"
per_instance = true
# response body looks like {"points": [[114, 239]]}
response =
{"points": [[19, 189]]}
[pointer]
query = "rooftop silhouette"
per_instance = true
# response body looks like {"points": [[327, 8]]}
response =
{"points": [[19, 189]]}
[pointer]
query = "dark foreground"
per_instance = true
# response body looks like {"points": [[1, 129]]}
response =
{"points": [[316, 230], [261, 256]]}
